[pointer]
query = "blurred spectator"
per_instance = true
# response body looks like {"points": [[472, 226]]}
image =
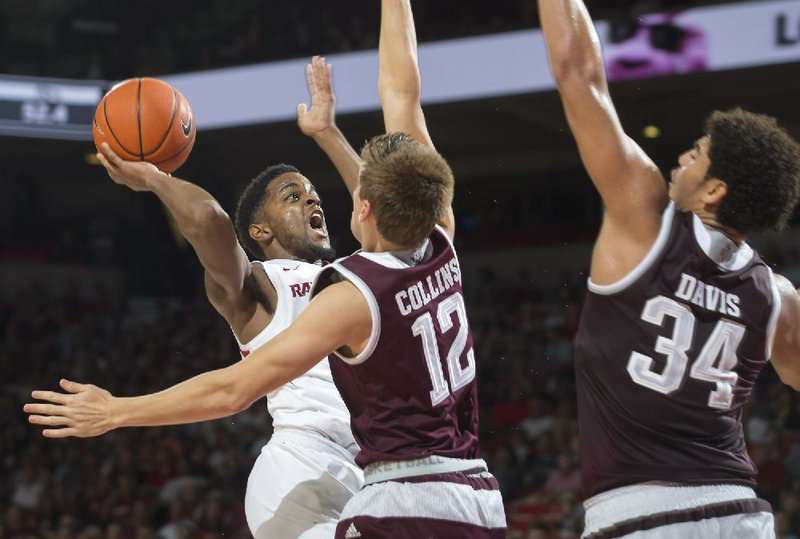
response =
{"points": [[565, 478]]}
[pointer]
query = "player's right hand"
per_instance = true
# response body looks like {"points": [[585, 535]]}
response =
{"points": [[83, 411], [137, 175]]}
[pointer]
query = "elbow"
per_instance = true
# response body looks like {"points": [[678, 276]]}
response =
{"points": [[569, 71], [786, 370], [792, 381], [573, 61], [407, 93], [235, 401]]}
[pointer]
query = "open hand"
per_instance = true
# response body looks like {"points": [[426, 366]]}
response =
{"points": [[83, 411], [320, 116], [136, 175]]}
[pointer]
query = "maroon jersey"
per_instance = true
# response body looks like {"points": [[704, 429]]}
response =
{"points": [[666, 358], [411, 393]]}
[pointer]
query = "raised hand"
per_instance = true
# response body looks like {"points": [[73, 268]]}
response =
{"points": [[136, 175], [83, 411], [321, 116]]}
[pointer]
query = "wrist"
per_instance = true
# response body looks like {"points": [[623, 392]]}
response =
{"points": [[329, 132], [115, 417], [154, 179]]}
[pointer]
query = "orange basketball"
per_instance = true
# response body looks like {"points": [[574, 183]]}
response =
{"points": [[146, 120]]}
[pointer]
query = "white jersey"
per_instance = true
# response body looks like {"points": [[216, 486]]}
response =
{"points": [[311, 401]]}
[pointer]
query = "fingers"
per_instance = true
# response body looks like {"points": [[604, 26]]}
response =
{"points": [[50, 396], [109, 154], [322, 74], [310, 81], [302, 110], [72, 387], [44, 409], [103, 161], [61, 433], [50, 420]]}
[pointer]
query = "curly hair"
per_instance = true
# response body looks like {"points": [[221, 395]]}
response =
{"points": [[409, 185], [760, 163], [248, 209]]}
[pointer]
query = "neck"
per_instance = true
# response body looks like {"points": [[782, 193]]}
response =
{"points": [[710, 221], [277, 252], [381, 246]]}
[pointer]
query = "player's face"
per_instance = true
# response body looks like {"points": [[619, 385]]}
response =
{"points": [[296, 218], [686, 181]]}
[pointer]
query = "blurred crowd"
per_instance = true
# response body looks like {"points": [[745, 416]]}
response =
{"points": [[180, 482], [85, 41]]}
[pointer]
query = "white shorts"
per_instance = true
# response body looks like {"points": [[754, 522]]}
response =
{"points": [[462, 504], [669, 511], [298, 486]]}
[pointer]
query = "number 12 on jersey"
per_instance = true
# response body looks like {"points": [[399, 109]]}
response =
{"points": [[425, 328], [722, 345]]}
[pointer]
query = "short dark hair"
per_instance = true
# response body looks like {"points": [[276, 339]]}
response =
{"points": [[250, 203], [760, 163], [409, 185]]}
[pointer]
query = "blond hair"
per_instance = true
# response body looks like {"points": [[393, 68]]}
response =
{"points": [[408, 184]]}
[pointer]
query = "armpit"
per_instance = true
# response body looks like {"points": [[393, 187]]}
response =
{"points": [[259, 286]]}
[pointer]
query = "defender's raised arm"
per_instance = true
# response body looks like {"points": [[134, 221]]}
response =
{"points": [[399, 83], [632, 188]]}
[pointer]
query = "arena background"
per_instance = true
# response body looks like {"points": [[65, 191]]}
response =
{"points": [[95, 285]]}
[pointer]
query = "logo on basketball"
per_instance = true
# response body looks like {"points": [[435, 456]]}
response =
{"points": [[187, 127]]}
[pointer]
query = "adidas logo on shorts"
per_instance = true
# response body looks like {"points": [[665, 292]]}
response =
{"points": [[352, 532]]}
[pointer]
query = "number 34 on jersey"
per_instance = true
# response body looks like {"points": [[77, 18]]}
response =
{"points": [[715, 362]]}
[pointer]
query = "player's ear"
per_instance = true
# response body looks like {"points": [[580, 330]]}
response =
{"points": [[261, 233], [364, 211], [714, 190]]}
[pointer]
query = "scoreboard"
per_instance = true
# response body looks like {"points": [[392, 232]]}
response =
{"points": [[48, 108]]}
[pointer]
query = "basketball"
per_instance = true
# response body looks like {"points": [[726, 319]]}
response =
{"points": [[146, 119]]}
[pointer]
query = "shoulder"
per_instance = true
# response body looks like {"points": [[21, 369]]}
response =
{"points": [[787, 294], [622, 250]]}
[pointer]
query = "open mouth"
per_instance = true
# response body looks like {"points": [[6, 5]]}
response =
{"points": [[316, 223]]}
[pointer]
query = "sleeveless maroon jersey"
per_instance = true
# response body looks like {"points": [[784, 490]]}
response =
{"points": [[411, 393], [666, 358]]}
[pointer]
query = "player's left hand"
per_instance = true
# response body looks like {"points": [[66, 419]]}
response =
{"points": [[83, 411], [137, 175], [321, 116]]}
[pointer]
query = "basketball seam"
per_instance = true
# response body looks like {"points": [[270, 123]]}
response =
{"points": [[111, 129], [176, 153], [139, 116], [169, 126]]}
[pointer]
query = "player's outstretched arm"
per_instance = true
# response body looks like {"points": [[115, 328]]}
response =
{"points": [[338, 317], [319, 122], [201, 220], [399, 82], [632, 188], [786, 344]]}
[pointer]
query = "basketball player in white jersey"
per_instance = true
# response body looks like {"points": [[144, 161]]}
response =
{"points": [[305, 474], [681, 313]]}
